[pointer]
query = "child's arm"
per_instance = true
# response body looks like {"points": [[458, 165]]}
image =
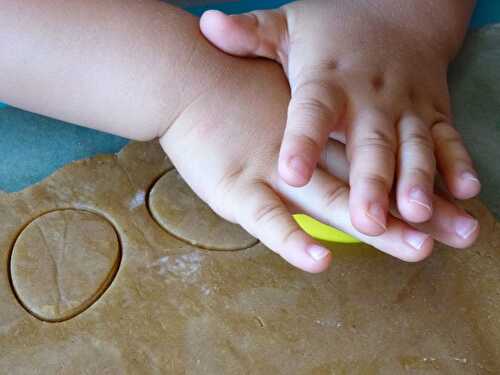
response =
{"points": [[126, 67], [372, 74], [142, 70]]}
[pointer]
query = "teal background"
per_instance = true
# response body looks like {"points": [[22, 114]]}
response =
{"points": [[487, 11], [33, 146]]}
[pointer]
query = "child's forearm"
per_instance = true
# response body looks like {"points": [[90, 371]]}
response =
{"points": [[122, 66]]}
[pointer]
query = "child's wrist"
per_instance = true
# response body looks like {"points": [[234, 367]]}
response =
{"points": [[200, 70]]}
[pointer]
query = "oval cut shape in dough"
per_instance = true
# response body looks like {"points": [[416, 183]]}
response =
{"points": [[180, 212], [62, 262]]}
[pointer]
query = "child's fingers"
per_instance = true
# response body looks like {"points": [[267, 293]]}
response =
{"points": [[449, 223], [265, 216], [454, 162], [416, 170], [372, 150], [327, 199], [259, 33], [315, 108]]}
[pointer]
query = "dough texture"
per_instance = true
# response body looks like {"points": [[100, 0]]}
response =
{"points": [[113, 266], [176, 308], [62, 262], [187, 217]]}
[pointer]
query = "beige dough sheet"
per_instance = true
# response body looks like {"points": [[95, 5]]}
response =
{"points": [[113, 266]]}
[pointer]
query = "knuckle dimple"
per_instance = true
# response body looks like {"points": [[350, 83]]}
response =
{"points": [[305, 141], [222, 192], [422, 173], [333, 195], [377, 139], [375, 180], [313, 74], [311, 80], [310, 107], [441, 112], [309, 115], [378, 82], [266, 213], [329, 65], [446, 133], [449, 143], [416, 141]]}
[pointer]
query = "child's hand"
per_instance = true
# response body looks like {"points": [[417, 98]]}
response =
{"points": [[372, 75], [220, 119], [225, 144]]}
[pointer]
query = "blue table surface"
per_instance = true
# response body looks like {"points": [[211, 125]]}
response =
{"points": [[32, 146]]}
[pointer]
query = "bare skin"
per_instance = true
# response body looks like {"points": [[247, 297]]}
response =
{"points": [[142, 70], [371, 74]]}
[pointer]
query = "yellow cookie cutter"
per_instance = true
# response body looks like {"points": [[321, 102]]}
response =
{"points": [[322, 231]]}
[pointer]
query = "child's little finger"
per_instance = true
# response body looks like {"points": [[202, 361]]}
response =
{"points": [[454, 162]]}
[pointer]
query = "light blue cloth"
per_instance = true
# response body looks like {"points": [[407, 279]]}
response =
{"points": [[32, 146]]}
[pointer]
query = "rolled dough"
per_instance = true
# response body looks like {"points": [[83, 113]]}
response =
{"points": [[176, 308], [182, 214], [62, 261]]}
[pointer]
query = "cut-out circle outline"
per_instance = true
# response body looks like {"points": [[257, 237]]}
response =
{"points": [[179, 237], [106, 284]]}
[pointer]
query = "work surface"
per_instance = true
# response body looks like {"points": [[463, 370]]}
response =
{"points": [[32, 147], [113, 266]]}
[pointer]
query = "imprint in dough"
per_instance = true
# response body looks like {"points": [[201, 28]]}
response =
{"points": [[178, 309], [180, 212], [62, 262]]}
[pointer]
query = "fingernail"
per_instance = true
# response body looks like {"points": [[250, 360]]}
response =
{"points": [[213, 11], [414, 238], [419, 196], [377, 214], [317, 252], [470, 176], [299, 166], [465, 226]]}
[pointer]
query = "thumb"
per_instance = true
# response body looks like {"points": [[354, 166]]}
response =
{"points": [[259, 33]]}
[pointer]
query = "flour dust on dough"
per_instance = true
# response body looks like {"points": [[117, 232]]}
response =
{"points": [[174, 307]]}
